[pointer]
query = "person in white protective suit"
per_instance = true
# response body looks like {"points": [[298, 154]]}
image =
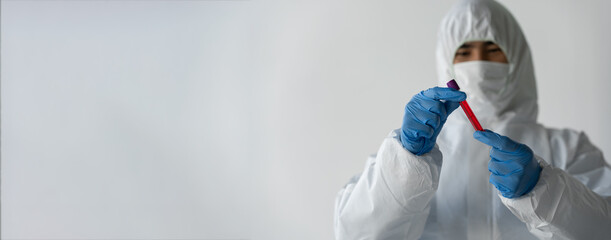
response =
{"points": [[437, 178]]}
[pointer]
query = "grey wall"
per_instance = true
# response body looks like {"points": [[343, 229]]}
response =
{"points": [[236, 119]]}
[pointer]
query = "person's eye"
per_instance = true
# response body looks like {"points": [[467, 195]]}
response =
{"points": [[494, 50], [462, 54]]}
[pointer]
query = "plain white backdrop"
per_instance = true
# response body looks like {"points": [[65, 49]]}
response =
{"points": [[237, 119]]}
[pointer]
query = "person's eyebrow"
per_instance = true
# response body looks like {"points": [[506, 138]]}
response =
{"points": [[488, 43], [466, 45]]}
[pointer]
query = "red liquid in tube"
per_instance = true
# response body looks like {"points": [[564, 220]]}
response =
{"points": [[465, 107], [471, 116]]}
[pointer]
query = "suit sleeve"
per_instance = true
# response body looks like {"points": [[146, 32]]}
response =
{"points": [[390, 199], [572, 198]]}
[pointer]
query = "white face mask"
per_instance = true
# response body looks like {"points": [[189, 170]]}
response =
{"points": [[484, 83]]}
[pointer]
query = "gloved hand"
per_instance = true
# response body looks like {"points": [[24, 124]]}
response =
{"points": [[515, 171], [424, 116]]}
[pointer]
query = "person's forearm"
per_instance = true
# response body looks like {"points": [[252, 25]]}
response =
{"points": [[561, 207], [391, 198]]}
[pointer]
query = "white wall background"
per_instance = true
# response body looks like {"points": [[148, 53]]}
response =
{"points": [[236, 119]]}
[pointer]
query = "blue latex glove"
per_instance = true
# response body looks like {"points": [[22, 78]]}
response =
{"points": [[424, 116], [515, 171]]}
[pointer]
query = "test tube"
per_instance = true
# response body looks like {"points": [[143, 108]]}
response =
{"points": [[465, 107]]}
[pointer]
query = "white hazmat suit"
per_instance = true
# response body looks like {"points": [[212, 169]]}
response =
{"points": [[445, 194]]}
